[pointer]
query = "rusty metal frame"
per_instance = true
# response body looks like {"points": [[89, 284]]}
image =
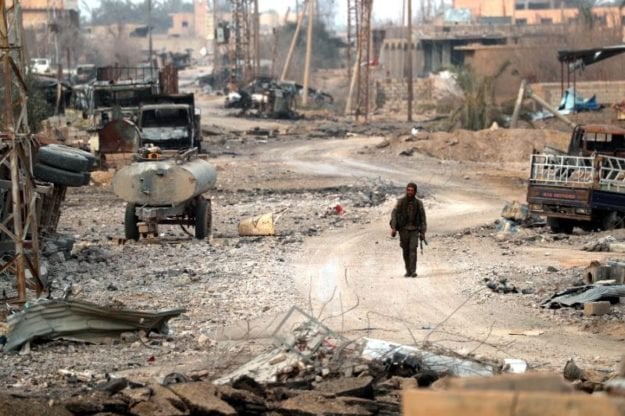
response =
{"points": [[241, 43], [16, 136]]}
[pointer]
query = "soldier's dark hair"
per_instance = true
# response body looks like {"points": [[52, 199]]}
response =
{"points": [[412, 185]]}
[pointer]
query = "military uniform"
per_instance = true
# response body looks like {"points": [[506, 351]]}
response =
{"points": [[408, 218]]}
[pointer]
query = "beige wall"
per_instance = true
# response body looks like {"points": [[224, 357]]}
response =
{"points": [[183, 24]]}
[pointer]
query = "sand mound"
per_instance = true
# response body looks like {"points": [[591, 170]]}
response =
{"points": [[501, 145]]}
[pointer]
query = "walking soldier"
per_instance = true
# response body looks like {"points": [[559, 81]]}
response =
{"points": [[408, 218]]}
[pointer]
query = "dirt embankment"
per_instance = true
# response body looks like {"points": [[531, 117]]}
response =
{"points": [[501, 145]]}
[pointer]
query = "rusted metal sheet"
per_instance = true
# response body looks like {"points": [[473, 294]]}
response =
{"points": [[603, 129], [164, 183], [118, 136], [553, 194], [50, 319], [168, 79]]}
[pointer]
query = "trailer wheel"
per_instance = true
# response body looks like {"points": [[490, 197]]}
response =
{"points": [[560, 225], [611, 221], [130, 223], [203, 218]]}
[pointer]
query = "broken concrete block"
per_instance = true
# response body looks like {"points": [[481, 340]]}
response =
{"points": [[202, 398], [507, 382], [495, 403], [162, 402], [243, 401], [312, 404], [97, 402], [352, 387], [597, 308]]}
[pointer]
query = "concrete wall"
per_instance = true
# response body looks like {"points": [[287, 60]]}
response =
{"points": [[607, 92], [392, 94], [611, 15], [393, 58]]}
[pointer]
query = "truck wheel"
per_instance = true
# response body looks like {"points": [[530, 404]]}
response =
{"points": [[130, 223], [203, 219], [611, 221], [560, 226], [62, 159], [59, 176], [89, 156]]}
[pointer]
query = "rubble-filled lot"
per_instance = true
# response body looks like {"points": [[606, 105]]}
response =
{"points": [[236, 288], [231, 280]]}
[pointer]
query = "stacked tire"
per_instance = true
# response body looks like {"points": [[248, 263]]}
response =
{"points": [[63, 165]]}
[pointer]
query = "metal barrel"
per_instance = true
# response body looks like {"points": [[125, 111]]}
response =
{"points": [[164, 183]]}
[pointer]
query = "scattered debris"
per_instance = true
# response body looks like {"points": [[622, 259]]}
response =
{"points": [[580, 295], [261, 225]]}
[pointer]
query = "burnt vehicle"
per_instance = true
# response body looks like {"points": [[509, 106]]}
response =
{"points": [[171, 123], [584, 187]]}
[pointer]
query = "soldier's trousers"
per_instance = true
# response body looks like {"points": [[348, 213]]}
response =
{"points": [[409, 242]]}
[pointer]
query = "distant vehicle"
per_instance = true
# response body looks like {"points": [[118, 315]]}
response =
{"points": [[85, 73], [173, 123], [40, 66], [584, 187]]}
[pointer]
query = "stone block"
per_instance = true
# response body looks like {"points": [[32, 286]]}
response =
{"points": [[596, 308], [507, 382], [202, 398]]}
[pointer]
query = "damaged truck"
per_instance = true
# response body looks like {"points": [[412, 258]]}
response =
{"points": [[584, 187]]}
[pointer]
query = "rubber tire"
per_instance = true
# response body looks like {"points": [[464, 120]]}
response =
{"points": [[62, 159], [131, 230], [58, 176], [611, 221], [560, 226], [89, 156], [203, 219]]}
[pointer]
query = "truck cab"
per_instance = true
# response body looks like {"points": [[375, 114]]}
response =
{"points": [[171, 123], [584, 187]]}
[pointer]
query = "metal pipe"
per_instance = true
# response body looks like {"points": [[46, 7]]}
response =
{"points": [[309, 41]]}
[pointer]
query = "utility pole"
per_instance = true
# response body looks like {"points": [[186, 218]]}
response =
{"points": [[364, 52], [256, 39], [150, 40], [410, 65], [352, 33], [309, 41], [289, 55]]}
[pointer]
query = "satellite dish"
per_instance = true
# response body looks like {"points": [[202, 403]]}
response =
{"points": [[203, 51]]}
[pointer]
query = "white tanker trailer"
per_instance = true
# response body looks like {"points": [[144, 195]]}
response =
{"points": [[162, 190]]}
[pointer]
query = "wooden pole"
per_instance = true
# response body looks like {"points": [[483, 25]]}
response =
{"points": [[409, 57], [256, 39], [289, 55], [309, 42], [517, 105]]}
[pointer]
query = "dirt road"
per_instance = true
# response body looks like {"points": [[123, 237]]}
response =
{"points": [[360, 267]]}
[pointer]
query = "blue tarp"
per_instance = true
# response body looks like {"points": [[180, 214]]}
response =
{"points": [[572, 103]]}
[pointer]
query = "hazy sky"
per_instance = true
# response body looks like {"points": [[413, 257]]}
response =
{"points": [[382, 9]]}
